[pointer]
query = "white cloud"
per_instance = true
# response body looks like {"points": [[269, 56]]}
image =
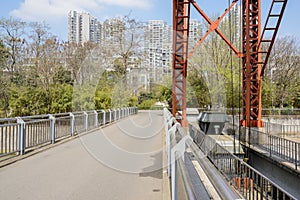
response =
{"points": [[127, 3], [51, 10]]}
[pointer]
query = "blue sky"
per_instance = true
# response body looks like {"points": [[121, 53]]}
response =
{"points": [[54, 12]]}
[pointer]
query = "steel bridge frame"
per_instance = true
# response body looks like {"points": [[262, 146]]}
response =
{"points": [[181, 16], [254, 60]]}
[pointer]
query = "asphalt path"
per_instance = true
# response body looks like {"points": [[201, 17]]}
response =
{"points": [[121, 161]]}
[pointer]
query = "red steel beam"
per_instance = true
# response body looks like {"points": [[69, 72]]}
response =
{"points": [[251, 69], [181, 16], [214, 27]]}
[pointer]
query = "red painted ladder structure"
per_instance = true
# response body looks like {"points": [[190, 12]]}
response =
{"points": [[254, 60]]}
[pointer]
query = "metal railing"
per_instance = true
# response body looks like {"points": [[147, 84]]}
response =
{"points": [[284, 127], [9, 138], [247, 180], [265, 111], [22, 133], [176, 142], [273, 140], [286, 149], [62, 125], [175, 156], [283, 130]]}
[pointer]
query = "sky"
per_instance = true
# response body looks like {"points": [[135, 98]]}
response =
{"points": [[54, 12]]}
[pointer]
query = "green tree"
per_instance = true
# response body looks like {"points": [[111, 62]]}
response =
{"points": [[12, 32], [4, 81], [83, 98], [61, 98], [283, 70], [199, 96], [103, 99], [214, 70], [25, 100], [133, 101], [146, 104]]}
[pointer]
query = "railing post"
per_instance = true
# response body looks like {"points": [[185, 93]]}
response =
{"points": [[115, 115], [270, 144], [21, 135], [72, 123], [110, 115], [86, 121], [174, 179], [113, 111], [104, 117], [96, 119], [296, 155], [52, 128]]}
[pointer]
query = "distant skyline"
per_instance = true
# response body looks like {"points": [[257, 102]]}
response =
{"points": [[55, 12]]}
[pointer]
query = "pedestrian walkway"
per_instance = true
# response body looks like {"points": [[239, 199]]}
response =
{"points": [[121, 161]]}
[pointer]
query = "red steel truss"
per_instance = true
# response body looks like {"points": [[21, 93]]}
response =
{"points": [[251, 69], [254, 58], [181, 16]]}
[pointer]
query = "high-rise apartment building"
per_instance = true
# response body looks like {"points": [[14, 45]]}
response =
{"points": [[158, 48], [82, 27], [113, 30], [195, 32]]}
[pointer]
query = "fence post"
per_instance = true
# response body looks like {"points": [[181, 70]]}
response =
{"points": [[104, 117], [113, 114], [117, 114], [110, 115], [96, 119], [21, 135], [174, 179], [270, 144], [86, 121], [72, 123], [296, 155], [52, 128], [268, 126]]}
